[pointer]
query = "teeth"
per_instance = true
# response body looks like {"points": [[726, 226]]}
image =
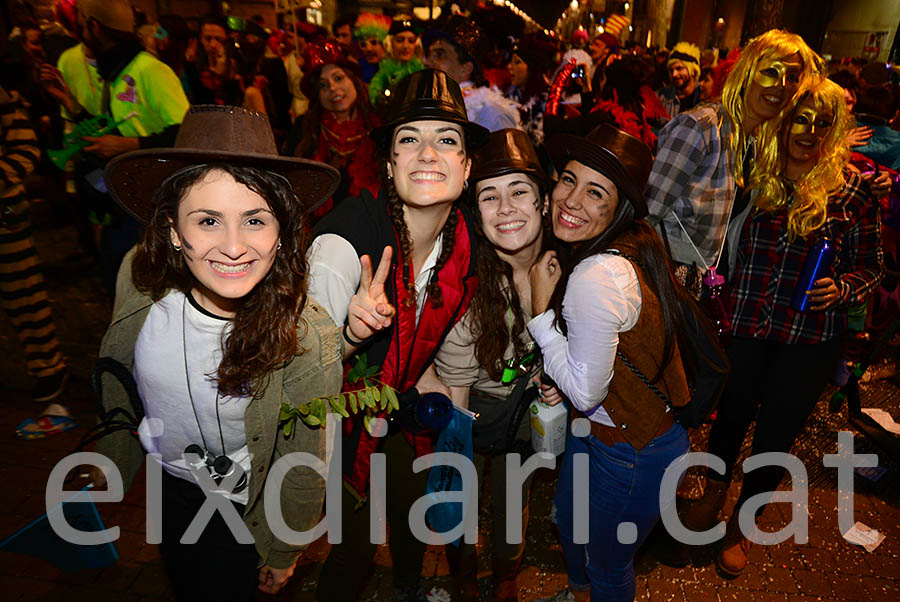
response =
{"points": [[511, 226], [430, 176], [571, 219], [229, 269], [772, 99]]}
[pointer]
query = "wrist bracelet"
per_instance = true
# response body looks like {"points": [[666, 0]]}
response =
{"points": [[348, 338]]}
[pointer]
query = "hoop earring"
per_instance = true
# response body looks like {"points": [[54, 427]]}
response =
{"points": [[466, 185], [177, 248], [279, 244]]}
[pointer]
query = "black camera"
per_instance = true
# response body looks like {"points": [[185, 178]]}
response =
{"points": [[218, 467]]}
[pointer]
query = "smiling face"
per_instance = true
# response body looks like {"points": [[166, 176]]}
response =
{"points": [[510, 210], [518, 70], [229, 240], [403, 45], [679, 75], [584, 202], [428, 162], [336, 91], [774, 83], [809, 125], [372, 50]]}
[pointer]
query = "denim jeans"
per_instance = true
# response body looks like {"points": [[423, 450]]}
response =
{"points": [[622, 487]]}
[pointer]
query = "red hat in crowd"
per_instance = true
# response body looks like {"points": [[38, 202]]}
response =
{"points": [[317, 55]]}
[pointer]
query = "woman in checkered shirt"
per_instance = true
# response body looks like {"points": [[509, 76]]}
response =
{"points": [[801, 193]]}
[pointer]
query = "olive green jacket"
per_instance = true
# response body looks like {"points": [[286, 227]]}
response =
{"points": [[315, 372]]}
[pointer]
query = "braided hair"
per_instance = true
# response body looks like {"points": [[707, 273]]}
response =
{"points": [[448, 238]]}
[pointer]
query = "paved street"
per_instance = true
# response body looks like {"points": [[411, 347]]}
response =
{"points": [[826, 568]]}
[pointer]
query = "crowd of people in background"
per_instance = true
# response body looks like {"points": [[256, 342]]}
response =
{"points": [[476, 194]]}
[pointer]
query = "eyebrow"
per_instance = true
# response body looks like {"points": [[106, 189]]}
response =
{"points": [[247, 213]]}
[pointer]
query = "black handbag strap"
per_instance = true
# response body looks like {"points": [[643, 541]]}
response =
{"points": [[643, 378], [637, 372]]}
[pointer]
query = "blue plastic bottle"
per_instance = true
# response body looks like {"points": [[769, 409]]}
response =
{"points": [[817, 265]]}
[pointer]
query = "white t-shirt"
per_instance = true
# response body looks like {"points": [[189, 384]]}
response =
{"points": [[161, 377], [334, 272], [602, 299]]}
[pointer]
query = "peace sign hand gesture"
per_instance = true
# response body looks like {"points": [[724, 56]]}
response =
{"points": [[370, 311]]}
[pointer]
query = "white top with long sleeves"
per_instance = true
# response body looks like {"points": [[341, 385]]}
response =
{"points": [[334, 272], [602, 299]]}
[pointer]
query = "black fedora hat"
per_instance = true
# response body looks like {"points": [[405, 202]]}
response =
{"points": [[428, 95], [504, 152], [215, 134], [618, 155]]}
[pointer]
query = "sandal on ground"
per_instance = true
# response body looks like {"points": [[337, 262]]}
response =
{"points": [[44, 426]]}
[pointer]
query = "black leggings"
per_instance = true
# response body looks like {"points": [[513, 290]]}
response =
{"points": [[216, 567], [783, 383]]}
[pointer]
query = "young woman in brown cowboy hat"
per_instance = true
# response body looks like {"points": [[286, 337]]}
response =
{"points": [[488, 359], [425, 238], [208, 320], [611, 295]]}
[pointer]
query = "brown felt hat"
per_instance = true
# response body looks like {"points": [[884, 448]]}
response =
{"points": [[215, 134], [618, 155], [507, 151]]}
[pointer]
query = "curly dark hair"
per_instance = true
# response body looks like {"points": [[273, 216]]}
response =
{"points": [[495, 296], [264, 334]]}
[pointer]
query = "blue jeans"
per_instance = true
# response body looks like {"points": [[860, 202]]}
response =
{"points": [[623, 487]]}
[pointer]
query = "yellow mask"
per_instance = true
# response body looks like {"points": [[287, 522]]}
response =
{"points": [[773, 73], [807, 119]]}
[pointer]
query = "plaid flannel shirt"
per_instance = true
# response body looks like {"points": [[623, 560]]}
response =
{"points": [[692, 178], [769, 265]]}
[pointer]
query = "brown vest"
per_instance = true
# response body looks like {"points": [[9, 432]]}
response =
{"points": [[636, 410]]}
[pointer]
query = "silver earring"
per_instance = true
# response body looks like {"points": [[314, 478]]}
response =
{"points": [[466, 185], [279, 244], [177, 247]]}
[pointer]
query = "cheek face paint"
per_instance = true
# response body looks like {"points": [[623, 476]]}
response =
{"points": [[770, 74]]}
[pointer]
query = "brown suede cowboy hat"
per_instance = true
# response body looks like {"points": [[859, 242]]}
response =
{"points": [[215, 134], [618, 155]]}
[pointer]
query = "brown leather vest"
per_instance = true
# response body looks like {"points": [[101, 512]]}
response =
{"points": [[637, 411]]}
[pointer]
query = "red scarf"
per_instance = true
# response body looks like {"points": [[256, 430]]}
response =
{"points": [[347, 144]]}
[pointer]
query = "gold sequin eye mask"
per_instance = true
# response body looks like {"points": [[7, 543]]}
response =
{"points": [[772, 74], [806, 120]]}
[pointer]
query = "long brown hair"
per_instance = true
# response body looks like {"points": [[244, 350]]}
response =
{"points": [[495, 296], [264, 333], [312, 121]]}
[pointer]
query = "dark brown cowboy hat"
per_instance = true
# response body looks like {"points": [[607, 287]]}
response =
{"points": [[428, 95], [507, 151], [618, 155], [215, 134]]}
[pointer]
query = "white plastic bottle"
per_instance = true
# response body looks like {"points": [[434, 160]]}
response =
{"points": [[548, 427]]}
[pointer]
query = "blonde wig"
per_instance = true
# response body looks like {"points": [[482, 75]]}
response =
{"points": [[807, 203], [775, 43]]}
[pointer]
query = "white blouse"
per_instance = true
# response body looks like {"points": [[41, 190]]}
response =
{"points": [[602, 299]]}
